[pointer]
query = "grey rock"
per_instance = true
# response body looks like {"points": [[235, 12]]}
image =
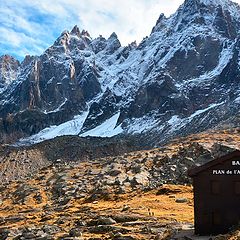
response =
{"points": [[181, 200], [75, 232], [106, 221], [4, 233]]}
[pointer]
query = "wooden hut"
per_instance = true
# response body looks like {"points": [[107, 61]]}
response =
{"points": [[216, 187]]}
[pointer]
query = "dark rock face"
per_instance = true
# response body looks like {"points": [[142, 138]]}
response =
{"points": [[101, 111], [195, 61], [53, 87], [224, 24], [156, 95], [186, 70], [98, 44], [231, 73]]}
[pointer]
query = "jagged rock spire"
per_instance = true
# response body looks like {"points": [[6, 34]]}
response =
{"points": [[159, 23], [112, 43], [85, 33], [113, 35], [76, 31]]}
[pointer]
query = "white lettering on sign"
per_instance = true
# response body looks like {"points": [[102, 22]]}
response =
{"points": [[236, 163], [226, 172], [218, 172], [237, 172]]}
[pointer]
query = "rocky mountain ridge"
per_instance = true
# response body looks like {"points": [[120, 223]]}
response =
{"points": [[182, 79]]}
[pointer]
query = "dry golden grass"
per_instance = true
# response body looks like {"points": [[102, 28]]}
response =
{"points": [[161, 208]]}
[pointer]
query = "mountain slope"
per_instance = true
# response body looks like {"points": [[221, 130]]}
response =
{"points": [[181, 79]]}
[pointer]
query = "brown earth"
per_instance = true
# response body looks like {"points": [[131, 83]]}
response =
{"points": [[136, 215], [74, 189]]}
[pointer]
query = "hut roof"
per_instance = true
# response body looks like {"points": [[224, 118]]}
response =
{"points": [[193, 172]]}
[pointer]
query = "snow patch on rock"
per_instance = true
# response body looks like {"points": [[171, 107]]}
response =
{"points": [[107, 129], [71, 127]]}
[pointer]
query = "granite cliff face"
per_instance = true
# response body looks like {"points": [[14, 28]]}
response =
{"points": [[182, 79]]}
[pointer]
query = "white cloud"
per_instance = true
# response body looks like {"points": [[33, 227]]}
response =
{"points": [[18, 40], [130, 19]]}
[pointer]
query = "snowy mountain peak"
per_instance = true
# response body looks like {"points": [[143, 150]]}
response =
{"points": [[220, 15], [27, 60], [215, 2], [186, 70], [9, 68], [66, 36], [80, 34], [191, 3], [63, 38], [207, 2], [227, 5], [7, 58]]}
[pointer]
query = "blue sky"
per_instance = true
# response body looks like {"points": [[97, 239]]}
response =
{"points": [[30, 26]]}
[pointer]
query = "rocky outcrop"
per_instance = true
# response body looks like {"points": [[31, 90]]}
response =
{"points": [[17, 163], [186, 70]]}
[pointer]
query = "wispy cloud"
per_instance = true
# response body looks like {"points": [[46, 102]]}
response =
{"points": [[28, 27]]}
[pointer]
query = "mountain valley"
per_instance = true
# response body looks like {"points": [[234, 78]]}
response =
{"points": [[96, 138]]}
